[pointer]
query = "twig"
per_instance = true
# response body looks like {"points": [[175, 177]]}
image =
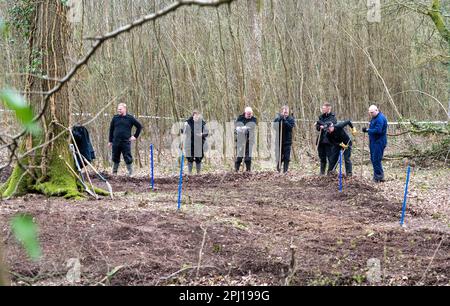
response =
{"points": [[200, 253], [292, 265], [182, 270], [431, 261], [109, 275], [100, 40]]}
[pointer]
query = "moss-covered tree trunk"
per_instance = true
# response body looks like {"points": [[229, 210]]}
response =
{"points": [[47, 171], [438, 19]]}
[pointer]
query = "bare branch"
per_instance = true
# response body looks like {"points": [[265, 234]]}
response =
{"points": [[99, 40]]}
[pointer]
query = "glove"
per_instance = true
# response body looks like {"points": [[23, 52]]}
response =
{"points": [[354, 132], [343, 146], [364, 130], [242, 129]]}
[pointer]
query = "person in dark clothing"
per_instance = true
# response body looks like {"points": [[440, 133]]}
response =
{"points": [[194, 145], [83, 142], [245, 127], [120, 137], [284, 123], [324, 148], [340, 140], [377, 141]]}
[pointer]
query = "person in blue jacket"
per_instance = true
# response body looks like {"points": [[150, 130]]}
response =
{"points": [[283, 123], [377, 141]]}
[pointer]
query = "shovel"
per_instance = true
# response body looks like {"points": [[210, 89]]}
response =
{"points": [[79, 178], [100, 176]]}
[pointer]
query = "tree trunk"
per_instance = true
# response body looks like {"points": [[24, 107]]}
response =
{"points": [[255, 57], [444, 31], [46, 169]]}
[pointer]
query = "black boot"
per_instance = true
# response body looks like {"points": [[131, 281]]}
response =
{"points": [[237, 165], [323, 166], [248, 166], [115, 168], [130, 170], [190, 165], [286, 166], [198, 167]]}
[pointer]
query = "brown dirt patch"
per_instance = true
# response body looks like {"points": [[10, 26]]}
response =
{"points": [[251, 220]]}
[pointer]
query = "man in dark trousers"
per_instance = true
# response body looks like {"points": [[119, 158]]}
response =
{"points": [[377, 141], [341, 141], [245, 137], [324, 148], [284, 123], [196, 133], [120, 137]]}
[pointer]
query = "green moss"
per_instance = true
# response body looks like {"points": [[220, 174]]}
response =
{"points": [[15, 185], [101, 192], [59, 181], [438, 19]]}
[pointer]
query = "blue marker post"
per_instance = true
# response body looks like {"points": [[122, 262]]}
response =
{"points": [[180, 183], [151, 167], [340, 170], [405, 196]]}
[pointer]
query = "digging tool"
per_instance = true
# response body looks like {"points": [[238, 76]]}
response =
{"points": [[280, 142], [100, 176], [245, 150], [72, 171], [341, 151], [362, 153], [72, 149], [341, 154]]}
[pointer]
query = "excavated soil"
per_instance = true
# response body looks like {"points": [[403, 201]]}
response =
{"points": [[252, 229]]}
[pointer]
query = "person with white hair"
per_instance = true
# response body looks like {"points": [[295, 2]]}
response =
{"points": [[377, 141], [120, 137], [245, 137]]}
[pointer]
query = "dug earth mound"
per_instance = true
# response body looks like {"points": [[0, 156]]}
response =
{"points": [[232, 229]]}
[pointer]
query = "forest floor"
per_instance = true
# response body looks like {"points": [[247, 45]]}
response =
{"points": [[250, 229]]}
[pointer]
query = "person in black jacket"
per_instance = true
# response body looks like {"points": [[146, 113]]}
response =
{"points": [[283, 125], [245, 128], [194, 145], [324, 148], [120, 137], [341, 141]]}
